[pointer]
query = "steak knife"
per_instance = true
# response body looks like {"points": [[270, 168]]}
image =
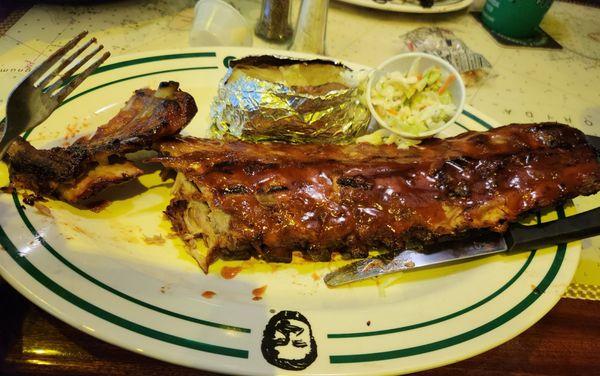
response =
{"points": [[518, 238]]}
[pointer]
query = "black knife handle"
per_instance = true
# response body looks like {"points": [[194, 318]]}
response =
{"points": [[594, 141], [580, 226]]}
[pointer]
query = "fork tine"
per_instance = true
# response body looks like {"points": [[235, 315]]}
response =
{"points": [[64, 63], [44, 66], [62, 93], [73, 69]]}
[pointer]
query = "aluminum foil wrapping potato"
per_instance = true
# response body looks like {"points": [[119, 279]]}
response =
{"points": [[268, 98]]}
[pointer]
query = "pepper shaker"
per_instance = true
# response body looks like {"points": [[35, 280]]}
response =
{"points": [[274, 23]]}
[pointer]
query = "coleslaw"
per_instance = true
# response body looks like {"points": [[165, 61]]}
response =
{"points": [[414, 102], [386, 137]]}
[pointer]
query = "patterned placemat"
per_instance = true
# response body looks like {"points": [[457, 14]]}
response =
{"points": [[583, 291], [11, 12]]}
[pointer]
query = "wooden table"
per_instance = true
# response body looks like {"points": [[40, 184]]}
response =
{"points": [[564, 342]]}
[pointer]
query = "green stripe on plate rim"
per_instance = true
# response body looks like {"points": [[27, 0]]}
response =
{"points": [[478, 120], [150, 59], [83, 274], [142, 60], [473, 333], [443, 318], [449, 316], [99, 312], [106, 287]]}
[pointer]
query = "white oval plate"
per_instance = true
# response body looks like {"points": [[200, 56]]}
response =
{"points": [[96, 271], [442, 6]]}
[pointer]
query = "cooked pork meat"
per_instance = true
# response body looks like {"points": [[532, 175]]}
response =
{"points": [[235, 200], [79, 171]]}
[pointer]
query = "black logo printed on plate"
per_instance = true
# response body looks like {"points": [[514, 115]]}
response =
{"points": [[288, 341]]}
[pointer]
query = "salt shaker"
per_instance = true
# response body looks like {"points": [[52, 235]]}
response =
{"points": [[274, 23], [311, 28]]}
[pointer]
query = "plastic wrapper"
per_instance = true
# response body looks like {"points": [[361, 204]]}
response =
{"points": [[443, 43], [268, 98]]}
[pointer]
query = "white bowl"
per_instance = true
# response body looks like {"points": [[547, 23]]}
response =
{"points": [[402, 63]]}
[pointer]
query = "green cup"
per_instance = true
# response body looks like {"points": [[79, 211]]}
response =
{"points": [[515, 18]]}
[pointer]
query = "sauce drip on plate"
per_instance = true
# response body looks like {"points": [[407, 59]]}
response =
{"points": [[259, 292], [229, 272], [208, 294]]}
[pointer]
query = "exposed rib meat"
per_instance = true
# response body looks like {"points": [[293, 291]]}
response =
{"points": [[81, 170], [267, 200]]}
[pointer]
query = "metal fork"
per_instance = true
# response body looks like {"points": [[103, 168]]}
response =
{"points": [[32, 101]]}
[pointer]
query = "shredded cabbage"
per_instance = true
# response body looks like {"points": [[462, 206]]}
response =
{"points": [[414, 102], [386, 137]]}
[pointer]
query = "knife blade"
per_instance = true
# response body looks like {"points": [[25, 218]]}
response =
{"points": [[416, 259], [518, 238]]}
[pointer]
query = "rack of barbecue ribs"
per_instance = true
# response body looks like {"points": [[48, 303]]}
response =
{"points": [[91, 164], [235, 200]]}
